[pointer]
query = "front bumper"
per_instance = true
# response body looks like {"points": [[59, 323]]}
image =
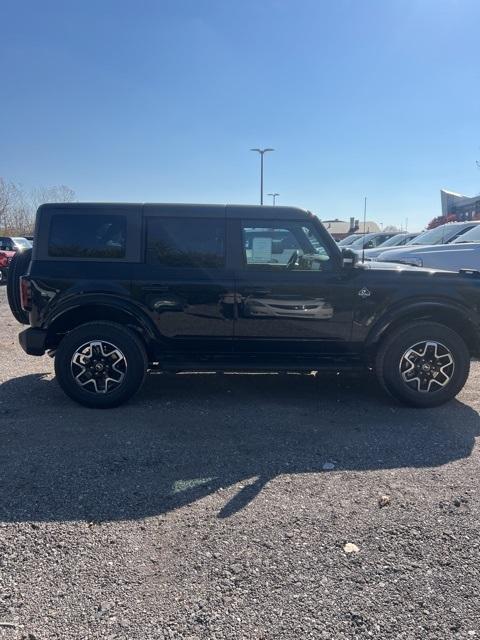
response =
{"points": [[32, 341]]}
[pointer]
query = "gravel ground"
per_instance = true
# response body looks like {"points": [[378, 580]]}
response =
{"points": [[220, 506]]}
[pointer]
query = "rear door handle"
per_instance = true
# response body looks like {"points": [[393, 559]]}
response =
{"points": [[258, 292]]}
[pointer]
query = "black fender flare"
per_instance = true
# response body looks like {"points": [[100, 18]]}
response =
{"points": [[108, 301], [429, 309]]}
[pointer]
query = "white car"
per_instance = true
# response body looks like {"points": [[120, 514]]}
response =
{"points": [[461, 253], [440, 236]]}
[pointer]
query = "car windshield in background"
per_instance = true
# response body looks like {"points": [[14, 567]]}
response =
{"points": [[348, 239], [394, 241], [439, 235], [362, 240], [23, 243]]}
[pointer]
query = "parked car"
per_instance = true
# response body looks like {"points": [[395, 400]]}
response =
{"points": [[444, 234], [8, 247], [461, 253], [398, 240], [114, 290], [370, 240]]}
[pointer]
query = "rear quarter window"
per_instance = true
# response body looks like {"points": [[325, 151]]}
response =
{"points": [[99, 236]]}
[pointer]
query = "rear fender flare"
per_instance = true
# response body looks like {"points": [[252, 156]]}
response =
{"points": [[92, 305]]}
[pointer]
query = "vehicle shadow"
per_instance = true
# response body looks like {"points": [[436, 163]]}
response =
{"points": [[187, 436]]}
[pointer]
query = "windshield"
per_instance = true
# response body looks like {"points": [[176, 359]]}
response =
{"points": [[349, 239], [472, 235], [23, 243], [394, 240], [363, 240], [439, 235]]}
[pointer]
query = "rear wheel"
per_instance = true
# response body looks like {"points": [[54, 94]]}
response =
{"points": [[2, 277], [100, 364], [423, 364], [17, 268]]}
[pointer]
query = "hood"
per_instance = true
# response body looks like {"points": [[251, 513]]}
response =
{"points": [[408, 248], [395, 266], [436, 248]]}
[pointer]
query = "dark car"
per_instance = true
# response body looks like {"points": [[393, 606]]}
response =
{"points": [[113, 290]]}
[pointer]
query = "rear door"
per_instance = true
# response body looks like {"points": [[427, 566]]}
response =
{"points": [[292, 294], [184, 281]]}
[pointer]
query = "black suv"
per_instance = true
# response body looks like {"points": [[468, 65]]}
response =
{"points": [[113, 290]]}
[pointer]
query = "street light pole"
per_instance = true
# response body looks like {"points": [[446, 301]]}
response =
{"points": [[262, 152], [274, 197]]}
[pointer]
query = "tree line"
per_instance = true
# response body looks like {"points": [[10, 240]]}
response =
{"points": [[18, 205]]}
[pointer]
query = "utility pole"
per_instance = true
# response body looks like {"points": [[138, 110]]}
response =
{"points": [[262, 152], [274, 197]]}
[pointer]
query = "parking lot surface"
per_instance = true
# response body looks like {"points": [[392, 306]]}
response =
{"points": [[235, 506]]}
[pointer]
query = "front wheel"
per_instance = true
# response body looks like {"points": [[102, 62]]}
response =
{"points": [[423, 364], [100, 364]]}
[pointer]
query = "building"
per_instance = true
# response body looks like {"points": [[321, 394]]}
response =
{"points": [[462, 207], [341, 229]]}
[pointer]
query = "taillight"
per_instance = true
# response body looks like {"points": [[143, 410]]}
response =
{"points": [[3, 260], [25, 294]]}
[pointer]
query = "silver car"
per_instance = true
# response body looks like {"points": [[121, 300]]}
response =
{"points": [[463, 252], [444, 234]]}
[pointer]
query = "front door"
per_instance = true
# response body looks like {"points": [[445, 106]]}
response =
{"points": [[292, 294]]}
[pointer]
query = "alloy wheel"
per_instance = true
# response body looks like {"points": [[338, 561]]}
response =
{"points": [[427, 366], [98, 366]]}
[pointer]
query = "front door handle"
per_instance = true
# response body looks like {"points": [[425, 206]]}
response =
{"points": [[156, 288]]}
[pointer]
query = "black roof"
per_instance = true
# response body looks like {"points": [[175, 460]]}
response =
{"points": [[201, 210]]}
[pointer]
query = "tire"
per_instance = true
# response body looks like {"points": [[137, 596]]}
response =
{"points": [[119, 379], [2, 277], [17, 268], [421, 375]]}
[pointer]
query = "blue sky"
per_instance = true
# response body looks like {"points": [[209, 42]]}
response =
{"points": [[161, 101]]}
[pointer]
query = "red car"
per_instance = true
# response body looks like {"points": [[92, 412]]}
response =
{"points": [[5, 258]]}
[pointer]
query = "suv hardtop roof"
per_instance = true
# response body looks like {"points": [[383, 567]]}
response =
{"points": [[200, 210]]}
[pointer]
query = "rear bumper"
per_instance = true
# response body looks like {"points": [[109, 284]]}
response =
{"points": [[33, 341]]}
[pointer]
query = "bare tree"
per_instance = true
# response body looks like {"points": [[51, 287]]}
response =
{"points": [[17, 207], [60, 193], [11, 204], [391, 228]]}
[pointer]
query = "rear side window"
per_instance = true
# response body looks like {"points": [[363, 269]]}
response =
{"points": [[186, 242], [87, 236]]}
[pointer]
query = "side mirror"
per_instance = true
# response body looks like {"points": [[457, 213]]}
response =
{"points": [[349, 258]]}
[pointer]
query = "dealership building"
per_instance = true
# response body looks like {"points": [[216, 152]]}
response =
{"points": [[461, 206]]}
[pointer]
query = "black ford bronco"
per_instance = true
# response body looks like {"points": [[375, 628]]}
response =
{"points": [[114, 290]]}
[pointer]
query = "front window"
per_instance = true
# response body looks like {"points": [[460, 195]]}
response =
{"points": [[472, 235], [284, 245]]}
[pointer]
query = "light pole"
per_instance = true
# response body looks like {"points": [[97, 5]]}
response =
{"points": [[261, 152], [274, 197]]}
